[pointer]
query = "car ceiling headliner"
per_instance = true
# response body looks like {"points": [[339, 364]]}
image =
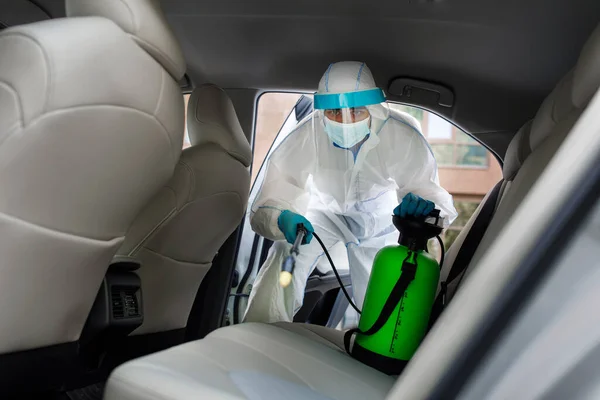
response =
{"points": [[500, 57]]}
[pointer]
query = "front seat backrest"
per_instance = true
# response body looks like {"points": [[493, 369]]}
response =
{"points": [[178, 234], [534, 146], [90, 129], [551, 125]]}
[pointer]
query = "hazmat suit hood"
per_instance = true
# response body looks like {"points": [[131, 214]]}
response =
{"points": [[349, 105]]}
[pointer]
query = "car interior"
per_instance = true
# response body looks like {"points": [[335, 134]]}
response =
{"points": [[119, 248]]}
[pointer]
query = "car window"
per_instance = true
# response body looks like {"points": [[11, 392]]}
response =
{"points": [[467, 170], [276, 118], [273, 110]]}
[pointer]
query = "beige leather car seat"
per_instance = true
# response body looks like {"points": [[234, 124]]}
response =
{"points": [[91, 125], [557, 115], [264, 361], [180, 231]]}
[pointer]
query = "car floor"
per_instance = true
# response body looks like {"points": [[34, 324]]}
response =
{"points": [[92, 392]]}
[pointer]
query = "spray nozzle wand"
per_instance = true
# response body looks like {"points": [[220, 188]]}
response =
{"points": [[287, 267]]}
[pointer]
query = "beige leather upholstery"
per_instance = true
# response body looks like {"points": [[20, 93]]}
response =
{"points": [[551, 125], [180, 231], [248, 361], [211, 367], [90, 129], [518, 150], [330, 337], [144, 21], [212, 120]]}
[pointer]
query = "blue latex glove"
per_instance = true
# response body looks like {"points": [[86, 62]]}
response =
{"points": [[288, 224], [414, 205]]}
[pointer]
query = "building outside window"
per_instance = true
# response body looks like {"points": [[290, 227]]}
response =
{"points": [[467, 170]]}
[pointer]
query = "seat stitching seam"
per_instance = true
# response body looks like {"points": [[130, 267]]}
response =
{"points": [[161, 224], [162, 85], [12, 217], [160, 93], [239, 197], [10, 131], [233, 150], [48, 65], [151, 233], [176, 260], [47, 69], [168, 60], [193, 180], [21, 117], [134, 24], [46, 59]]}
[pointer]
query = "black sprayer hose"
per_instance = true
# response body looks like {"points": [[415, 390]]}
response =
{"points": [[337, 275], [443, 251]]}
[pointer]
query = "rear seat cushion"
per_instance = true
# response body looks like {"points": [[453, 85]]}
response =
{"points": [[248, 361]]}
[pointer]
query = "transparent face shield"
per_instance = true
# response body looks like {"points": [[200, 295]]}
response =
{"points": [[348, 119]]}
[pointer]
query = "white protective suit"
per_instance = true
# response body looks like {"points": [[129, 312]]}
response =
{"points": [[348, 196]]}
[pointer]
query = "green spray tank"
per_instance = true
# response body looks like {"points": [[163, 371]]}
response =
{"points": [[399, 297]]}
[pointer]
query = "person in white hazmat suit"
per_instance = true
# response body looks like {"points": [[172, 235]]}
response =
{"points": [[342, 173]]}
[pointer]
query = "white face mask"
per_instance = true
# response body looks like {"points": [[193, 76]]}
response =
{"points": [[347, 135]]}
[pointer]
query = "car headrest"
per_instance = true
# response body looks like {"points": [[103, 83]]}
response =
{"points": [[62, 83], [212, 118], [516, 153], [561, 109], [144, 21]]}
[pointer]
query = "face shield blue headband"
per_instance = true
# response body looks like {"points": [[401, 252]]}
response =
{"points": [[348, 133]]}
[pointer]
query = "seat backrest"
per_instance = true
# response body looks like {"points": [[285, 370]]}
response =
{"points": [[516, 153], [90, 129], [179, 233], [535, 144]]}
